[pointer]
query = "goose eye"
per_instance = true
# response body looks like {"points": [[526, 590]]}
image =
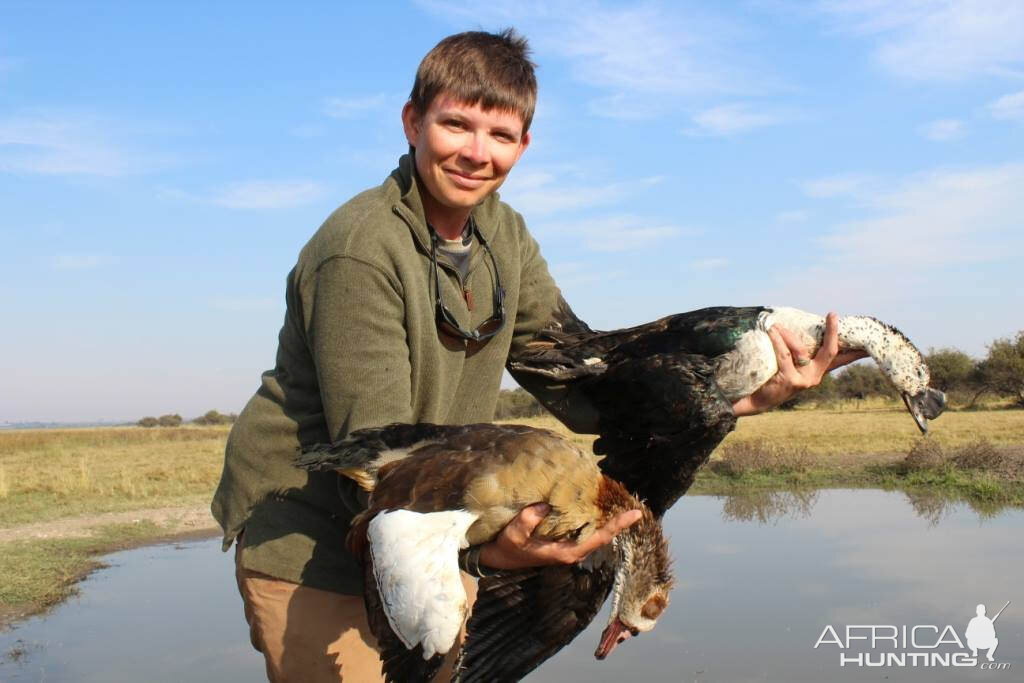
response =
{"points": [[654, 607]]}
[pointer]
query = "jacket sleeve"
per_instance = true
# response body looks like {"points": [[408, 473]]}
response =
{"points": [[541, 307], [357, 336]]}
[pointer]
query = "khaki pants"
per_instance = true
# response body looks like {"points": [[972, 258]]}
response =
{"points": [[310, 635]]}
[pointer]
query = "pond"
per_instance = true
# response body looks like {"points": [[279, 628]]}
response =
{"points": [[761, 580]]}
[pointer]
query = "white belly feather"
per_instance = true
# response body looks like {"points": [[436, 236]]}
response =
{"points": [[743, 370], [415, 562]]}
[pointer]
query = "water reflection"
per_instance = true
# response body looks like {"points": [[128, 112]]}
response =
{"points": [[771, 506], [760, 577], [768, 507]]}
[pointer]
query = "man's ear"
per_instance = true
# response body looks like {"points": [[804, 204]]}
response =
{"points": [[411, 123], [524, 142]]}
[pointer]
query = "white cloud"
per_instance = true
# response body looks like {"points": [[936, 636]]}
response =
{"points": [[943, 130], [1008, 107], [634, 52], [80, 260], [543, 192], [616, 233], [268, 194], [938, 39], [732, 119], [833, 186], [355, 107], [939, 217], [67, 144]]}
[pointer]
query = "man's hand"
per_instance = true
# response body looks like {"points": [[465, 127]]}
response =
{"points": [[796, 371], [515, 547]]}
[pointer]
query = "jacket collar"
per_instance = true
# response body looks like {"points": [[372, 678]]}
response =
{"points": [[409, 205]]}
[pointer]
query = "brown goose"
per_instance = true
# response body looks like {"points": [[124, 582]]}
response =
{"points": [[436, 489]]}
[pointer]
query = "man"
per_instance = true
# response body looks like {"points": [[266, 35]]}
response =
{"points": [[403, 307]]}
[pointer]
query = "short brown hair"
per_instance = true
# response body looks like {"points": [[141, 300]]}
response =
{"points": [[489, 69]]}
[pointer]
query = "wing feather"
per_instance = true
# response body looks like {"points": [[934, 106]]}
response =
{"points": [[524, 617]]}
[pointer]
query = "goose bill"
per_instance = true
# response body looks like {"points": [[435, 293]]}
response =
{"points": [[614, 633], [925, 406]]}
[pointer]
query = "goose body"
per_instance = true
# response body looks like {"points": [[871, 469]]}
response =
{"points": [[435, 489], [664, 390]]}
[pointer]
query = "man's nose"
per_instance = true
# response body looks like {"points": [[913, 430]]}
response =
{"points": [[475, 148]]}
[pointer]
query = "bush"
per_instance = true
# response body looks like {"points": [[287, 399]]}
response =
{"points": [[738, 458], [212, 417], [173, 420], [148, 422], [1002, 371], [950, 369]]}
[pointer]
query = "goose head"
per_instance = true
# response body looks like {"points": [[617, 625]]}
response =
{"points": [[901, 362], [643, 581]]}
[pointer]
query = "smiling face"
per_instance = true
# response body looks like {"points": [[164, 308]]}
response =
{"points": [[463, 154]]}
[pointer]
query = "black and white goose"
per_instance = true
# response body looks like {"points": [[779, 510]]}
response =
{"points": [[435, 489], [664, 390]]}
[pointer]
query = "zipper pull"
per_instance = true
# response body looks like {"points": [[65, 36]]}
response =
{"points": [[468, 296]]}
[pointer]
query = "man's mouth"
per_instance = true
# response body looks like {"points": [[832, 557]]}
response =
{"points": [[465, 181]]}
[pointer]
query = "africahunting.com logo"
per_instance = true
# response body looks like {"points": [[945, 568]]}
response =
{"points": [[880, 645]]}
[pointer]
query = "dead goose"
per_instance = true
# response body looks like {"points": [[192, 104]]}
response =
{"points": [[663, 391], [436, 489]]}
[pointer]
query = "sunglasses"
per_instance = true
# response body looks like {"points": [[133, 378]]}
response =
{"points": [[446, 322]]}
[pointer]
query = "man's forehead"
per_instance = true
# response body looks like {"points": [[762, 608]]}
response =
{"points": [[446, 102]]}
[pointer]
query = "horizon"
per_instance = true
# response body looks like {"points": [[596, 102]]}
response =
{"points": [[160, 171]]}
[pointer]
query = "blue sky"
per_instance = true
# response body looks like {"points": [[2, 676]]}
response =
{"points": [[162, 165]]}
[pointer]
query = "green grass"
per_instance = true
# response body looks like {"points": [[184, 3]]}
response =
{"points": [[39, 573]]}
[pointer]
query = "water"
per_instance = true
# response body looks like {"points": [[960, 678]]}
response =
{"points": [[759, 579]]}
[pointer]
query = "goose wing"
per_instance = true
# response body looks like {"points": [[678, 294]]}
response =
{"points": [[661, 416], [413, 579], [522, 618], [660, 412]]}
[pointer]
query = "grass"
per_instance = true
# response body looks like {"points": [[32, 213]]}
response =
{"points": [[41, 572], [49, 474]]}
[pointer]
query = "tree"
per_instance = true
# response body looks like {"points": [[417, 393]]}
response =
{"points": [[950, 369], [148, 421], [173, 420], [1002, 371], [211, 417], [862, 381]]}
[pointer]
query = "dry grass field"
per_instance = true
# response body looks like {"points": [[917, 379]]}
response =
{"points": [[52, 473]]}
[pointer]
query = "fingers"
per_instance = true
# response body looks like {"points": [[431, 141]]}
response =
{"points": [[782, 353], [830, 343], [605, 534], [523, 525], [797, 350]]}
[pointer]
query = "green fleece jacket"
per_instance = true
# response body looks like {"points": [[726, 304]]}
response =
{"points": [[359, 348]]}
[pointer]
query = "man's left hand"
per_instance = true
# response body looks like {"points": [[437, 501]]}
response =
{"points": [[796, 371]]}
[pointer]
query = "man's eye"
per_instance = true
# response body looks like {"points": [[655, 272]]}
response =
{"points": [[455, 123]]}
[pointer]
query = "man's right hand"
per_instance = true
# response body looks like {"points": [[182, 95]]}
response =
{"points": [[516, 547]]}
